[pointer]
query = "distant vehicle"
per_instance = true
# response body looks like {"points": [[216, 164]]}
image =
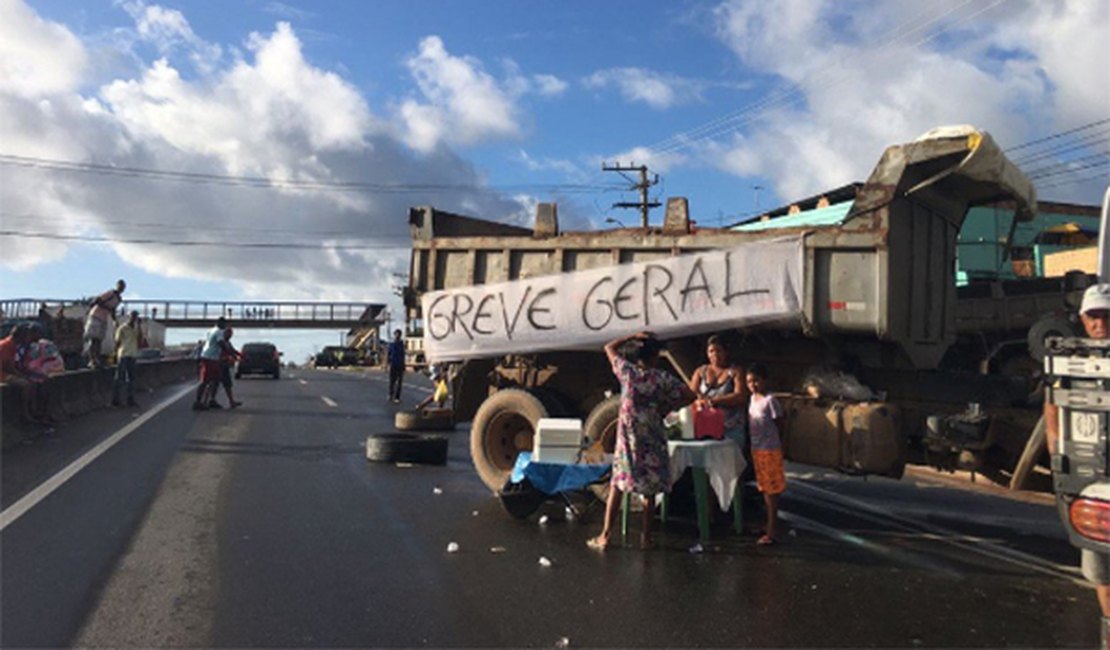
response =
{"points": [[259, 358], [333, 356]]}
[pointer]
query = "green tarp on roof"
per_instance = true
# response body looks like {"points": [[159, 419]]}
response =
{"points": [[828, 216]]}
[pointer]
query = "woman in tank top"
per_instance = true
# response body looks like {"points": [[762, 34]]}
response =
{"points": [[721, 385]]}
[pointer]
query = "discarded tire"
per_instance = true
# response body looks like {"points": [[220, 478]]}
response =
{"points": [[520, 500], [434, 419], [407, 448]]}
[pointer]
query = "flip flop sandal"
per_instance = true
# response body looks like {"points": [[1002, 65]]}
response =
{"points": [[596, 544], [766, 541]]}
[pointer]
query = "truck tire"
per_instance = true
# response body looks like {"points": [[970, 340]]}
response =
{"points": [[502, 428], [600, 431], [407, 448], [430, 419]]}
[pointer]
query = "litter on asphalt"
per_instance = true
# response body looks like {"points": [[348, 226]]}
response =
{"points": [[452, 548]]}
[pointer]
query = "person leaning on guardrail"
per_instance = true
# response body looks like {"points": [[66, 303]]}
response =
{"points": [[13, 370], [1094, 312]]}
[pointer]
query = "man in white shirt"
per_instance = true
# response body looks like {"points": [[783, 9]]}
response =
{"points": [[210, 365], [96, 325]]}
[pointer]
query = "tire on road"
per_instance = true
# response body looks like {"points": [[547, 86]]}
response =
{"points": [[430, 419], [407, 448], [502, 428], [600, 431]]}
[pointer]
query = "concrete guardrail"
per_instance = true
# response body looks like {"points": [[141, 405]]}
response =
{"points": [[78, 392]]}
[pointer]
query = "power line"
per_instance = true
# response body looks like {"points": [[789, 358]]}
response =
{"points": [[777, 95], [35, 218], [721, 126], [1055, 136], [196, 243], [291, 184]]}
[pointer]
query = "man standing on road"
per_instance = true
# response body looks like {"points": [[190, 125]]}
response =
{"points": [[1094, 312], [210, 365], [96, 326], [395, 357], [128, 341]]}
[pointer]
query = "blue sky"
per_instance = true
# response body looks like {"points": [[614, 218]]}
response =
{"points": [[516, 102]]}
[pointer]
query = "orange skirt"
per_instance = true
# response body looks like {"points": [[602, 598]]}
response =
{"points": [[769, 473]]}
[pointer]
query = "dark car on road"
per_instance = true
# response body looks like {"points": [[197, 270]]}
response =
{"points": [[259, 359]]}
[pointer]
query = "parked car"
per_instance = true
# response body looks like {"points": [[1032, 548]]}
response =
{"points": [[259, 358]]}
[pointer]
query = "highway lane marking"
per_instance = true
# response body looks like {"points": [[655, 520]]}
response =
{"points": [[32, 498], [329, 401], [983, 547]]}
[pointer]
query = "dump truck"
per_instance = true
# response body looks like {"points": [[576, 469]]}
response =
{"points": [[880, 358]]}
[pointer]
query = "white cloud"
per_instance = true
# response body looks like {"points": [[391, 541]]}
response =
{"points": [[549, 85], [856, 78], [270, 113], [168, 30], [462, 104], [564, 167], [37, 57], [287, 11], [656, 161], [657, 90]]}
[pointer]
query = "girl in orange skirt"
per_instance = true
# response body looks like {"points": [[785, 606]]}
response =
{"points": [[765, 420]]}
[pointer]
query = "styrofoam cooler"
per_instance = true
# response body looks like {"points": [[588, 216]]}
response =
{"points": [[558, 440]]}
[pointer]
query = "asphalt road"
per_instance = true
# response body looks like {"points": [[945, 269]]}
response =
{"points": [[266, 526]]}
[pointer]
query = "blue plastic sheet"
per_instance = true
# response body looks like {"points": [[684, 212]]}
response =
{"points": [[552, 478]]}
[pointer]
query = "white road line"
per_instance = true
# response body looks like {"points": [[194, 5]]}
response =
{"points": [[302, 382], [947, 536], [914, 559], [32, 498], [329, 401]]}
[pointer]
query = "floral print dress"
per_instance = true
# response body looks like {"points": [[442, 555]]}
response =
{"points": [[641, 463]]}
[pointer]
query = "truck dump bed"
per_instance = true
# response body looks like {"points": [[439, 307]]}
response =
{"points": [[881, 271]]}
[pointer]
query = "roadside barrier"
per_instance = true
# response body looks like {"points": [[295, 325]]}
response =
{"points": [[78, 392]]}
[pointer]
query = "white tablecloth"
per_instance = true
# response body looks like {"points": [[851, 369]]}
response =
{"points": [[721, 459]]}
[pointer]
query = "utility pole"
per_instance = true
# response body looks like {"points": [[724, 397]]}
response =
{"points": [[643, 205]]}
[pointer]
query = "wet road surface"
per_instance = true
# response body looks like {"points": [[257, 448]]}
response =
{"points": [[266, 526]]}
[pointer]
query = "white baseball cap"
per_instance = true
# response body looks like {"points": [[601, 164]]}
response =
{"points": [[1095, 298]]}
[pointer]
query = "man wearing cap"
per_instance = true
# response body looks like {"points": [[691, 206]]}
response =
{"points": [[128, 341], [1094, 313]]}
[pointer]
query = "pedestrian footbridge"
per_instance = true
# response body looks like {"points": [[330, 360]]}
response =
{"points": [[195, 313]]}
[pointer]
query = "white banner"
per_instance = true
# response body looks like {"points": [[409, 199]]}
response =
{"points": [[688, 294]]}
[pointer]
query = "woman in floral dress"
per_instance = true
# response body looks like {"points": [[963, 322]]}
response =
{"points": [[641, 463]]}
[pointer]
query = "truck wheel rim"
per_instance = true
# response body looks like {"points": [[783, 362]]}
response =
{"points": [[508, 434]]}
